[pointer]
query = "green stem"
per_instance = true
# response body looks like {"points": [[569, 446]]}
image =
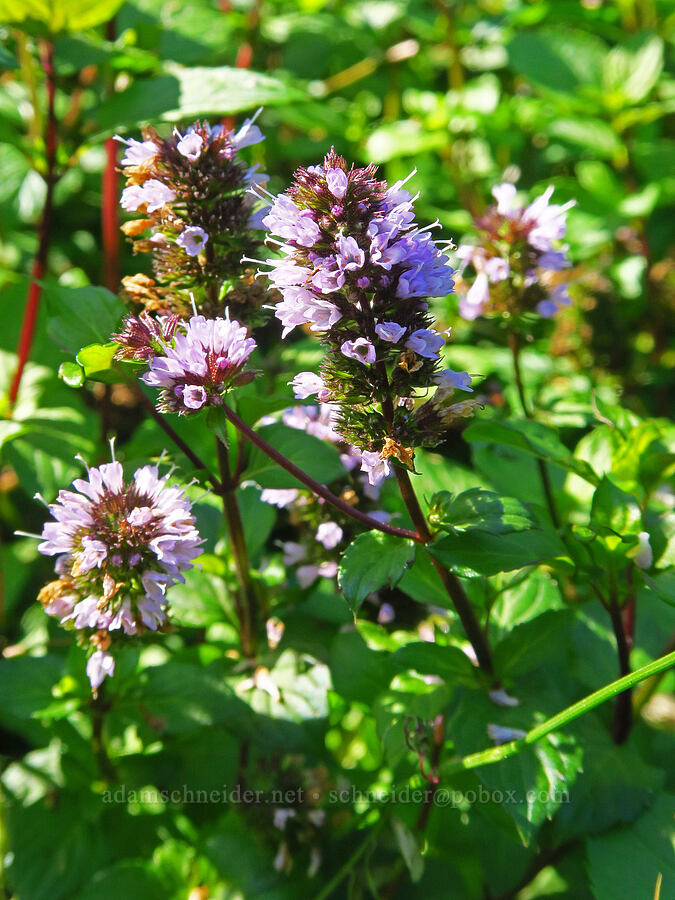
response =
{"points": [[647, 690], [345, 869], [495, 754], [514, 344], [98, 708], [247, 601]]}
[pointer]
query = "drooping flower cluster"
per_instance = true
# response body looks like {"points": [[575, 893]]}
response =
{"points": [[516, 257], [119, 546], [194, 363], [357, 270], [191, 192]]}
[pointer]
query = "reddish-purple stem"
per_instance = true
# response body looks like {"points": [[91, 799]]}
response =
{"points": [[40, 261]]}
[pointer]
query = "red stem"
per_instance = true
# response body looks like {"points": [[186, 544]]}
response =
{"points": [[319, 489], [110, 218], [178, 440], [40, 261]]}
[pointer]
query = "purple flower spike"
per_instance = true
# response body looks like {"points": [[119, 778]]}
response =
{"points": [[513, 256], [354, 266]]}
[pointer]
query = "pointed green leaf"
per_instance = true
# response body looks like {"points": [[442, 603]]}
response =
{"points": [[370, 562]]}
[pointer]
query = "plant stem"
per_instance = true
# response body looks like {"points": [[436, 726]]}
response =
{"points": [[451, 583], [98, 708], [319, 489], [495, 754], [110, 229], [439, 740], [623, 710], [347, 867], [178, 440], [514, 345], [44, 232], [247, 601]]}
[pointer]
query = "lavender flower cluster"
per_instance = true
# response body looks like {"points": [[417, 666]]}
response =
{"points": [[517, 257], [356, 269], [193, 363], [197, 217], [119, 546]]}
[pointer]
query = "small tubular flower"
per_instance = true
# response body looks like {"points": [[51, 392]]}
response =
{"points": [[119, 546]]}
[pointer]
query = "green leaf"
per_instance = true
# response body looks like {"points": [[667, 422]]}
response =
{"points": [[406, 138], [449, 663], [59, 15], [189, 93], [316, 458], [25, 690], [532, 785], [72, 373], [98, 363], [589, 134], [557, 59], [258, 518], [527, 599], [528, 645], [626, 863], [630, 71], [480, 510], [180, 698], [481, 553], [614, 415], [614, 786], [372, 561], [533, 437], [82, 316], [614, 510], [132, 879], [663, 586], [55, 847], [7, 61], [422, 582], [199, 602], [410, 849], [359, 673]]}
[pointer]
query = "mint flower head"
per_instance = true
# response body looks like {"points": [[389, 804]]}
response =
{"points": [[195, 215], [193, 363], [356, 269], [516, 257], [118, 545]]}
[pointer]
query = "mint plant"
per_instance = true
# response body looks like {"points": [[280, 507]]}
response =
{"points": [[337, 528]]}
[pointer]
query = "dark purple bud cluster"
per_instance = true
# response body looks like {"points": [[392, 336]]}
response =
{"points": [[192, 191]]}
